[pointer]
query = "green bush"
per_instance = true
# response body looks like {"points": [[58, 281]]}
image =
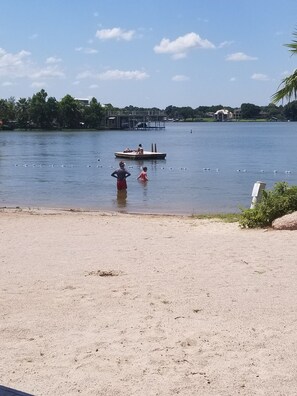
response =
{"points": [[274, 203]]}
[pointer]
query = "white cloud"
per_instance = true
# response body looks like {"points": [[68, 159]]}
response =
{"points": [[232, 79], [19, 65], [38, 84], [240, 56], [7, 84], [114, 75], [179, 47], [225, 44], [47, 72], [53, 60], [180, 77], [88, 50], [259, 77], [93, 86], [115, 34], [13, 65]]}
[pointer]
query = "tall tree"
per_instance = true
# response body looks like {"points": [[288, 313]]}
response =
{"points": [[38, 109], [250, 111], [52, 112], [70, 116], [22, 109], [290, 110], [4, 110], [288, 86], [92, 114]]}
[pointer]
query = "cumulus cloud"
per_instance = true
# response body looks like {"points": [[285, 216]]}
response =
{"points": [[115, 33], [47, 72], [19, 65], [53, 60], [13, 65], [179, 47], [180, 77], [123, 75], [240, 56], [114, 75], [259, 77]]}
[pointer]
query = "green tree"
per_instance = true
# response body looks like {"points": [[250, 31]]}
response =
{"points": [[38, 110], [92, 114], [4, 110], [187, 113], [52, 112], [288, 87], [69, 112], [290, 110], [249, 111], [22, 109], [172, 112]]}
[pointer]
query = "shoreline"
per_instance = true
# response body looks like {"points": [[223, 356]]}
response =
{"points": [[123, 304], [44, 210]]}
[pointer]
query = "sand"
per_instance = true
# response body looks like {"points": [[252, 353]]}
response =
{"points": [[114, 304]]}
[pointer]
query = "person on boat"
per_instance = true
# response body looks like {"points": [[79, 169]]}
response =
{"points": [[140, 149], [121, 175], [143, 175]]}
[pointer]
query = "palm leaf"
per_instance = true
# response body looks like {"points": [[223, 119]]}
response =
{"points": [[293, 46], [288, 90]]}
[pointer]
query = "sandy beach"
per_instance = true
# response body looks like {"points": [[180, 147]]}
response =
{"points": [[113, 304]]}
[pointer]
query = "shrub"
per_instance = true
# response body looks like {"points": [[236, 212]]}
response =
{"points": [[274, 203]]}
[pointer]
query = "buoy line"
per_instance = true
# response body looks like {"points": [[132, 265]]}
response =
{"points": [[184, 169]]}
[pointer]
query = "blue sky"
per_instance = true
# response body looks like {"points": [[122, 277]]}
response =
{"points": [[147, 53]]}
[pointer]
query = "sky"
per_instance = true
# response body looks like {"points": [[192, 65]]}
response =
{"points": [[147, 53]]}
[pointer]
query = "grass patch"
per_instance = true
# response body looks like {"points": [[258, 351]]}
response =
{"points": [[226, 217]]}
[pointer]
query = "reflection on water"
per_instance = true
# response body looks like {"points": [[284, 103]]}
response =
{"points": [[143, 185], [122, 198]]}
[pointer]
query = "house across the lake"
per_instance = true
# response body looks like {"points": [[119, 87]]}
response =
{"points": [[223, 115]]}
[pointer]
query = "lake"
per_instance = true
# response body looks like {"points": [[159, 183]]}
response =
{"points": [[209, 168]]}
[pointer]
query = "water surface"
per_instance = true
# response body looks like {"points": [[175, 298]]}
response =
{"points": [[210, 167]]}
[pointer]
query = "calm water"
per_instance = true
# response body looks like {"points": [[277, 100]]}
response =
{"points": [[210, 167]]}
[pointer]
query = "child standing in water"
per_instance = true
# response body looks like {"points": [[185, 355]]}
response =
{"points": [[121, 175], [143, 175]]}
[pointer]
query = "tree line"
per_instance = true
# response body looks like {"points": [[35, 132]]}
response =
{"points": [[44, 112]]}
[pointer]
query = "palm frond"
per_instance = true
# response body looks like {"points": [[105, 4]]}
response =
{"points": [[288, 90], [293, 45]]}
